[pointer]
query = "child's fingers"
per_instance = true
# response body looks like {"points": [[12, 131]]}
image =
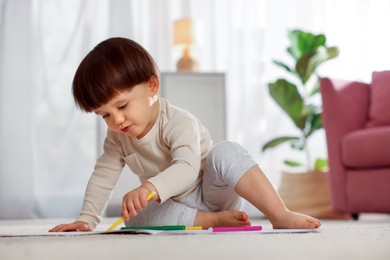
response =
{"points": [[63, 228], [130, 208], [126, 207], [125, 213], [137, 205], [143, 203], [57, 228]]}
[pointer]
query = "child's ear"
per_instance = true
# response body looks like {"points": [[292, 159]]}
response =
{"points": [[154, 85]]}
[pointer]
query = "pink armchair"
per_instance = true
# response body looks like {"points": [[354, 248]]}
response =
{"points": [[356, 118]]}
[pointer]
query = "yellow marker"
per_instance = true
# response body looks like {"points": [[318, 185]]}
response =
{"points": [[194, 228], [117, 223], [120, 220]]}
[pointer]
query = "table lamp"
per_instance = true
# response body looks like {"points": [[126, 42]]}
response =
{"points": [[185, 36]]}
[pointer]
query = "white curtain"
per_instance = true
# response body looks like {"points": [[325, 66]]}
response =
{"points": [[48, 148]]}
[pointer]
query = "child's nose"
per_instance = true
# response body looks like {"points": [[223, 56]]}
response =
{"points": [[119, 119]]}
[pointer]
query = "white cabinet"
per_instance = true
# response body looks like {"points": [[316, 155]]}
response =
{"points": [[203, 94]]}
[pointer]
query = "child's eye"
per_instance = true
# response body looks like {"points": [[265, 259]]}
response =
{"points": [[105, 116], [123, 106]]}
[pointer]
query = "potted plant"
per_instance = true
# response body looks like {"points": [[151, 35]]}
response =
{"points": [[308, 52]]}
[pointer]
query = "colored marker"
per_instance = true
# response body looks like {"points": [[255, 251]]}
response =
{"points": [[194, 228], [235, 229], [120, 220], [169, 227]]}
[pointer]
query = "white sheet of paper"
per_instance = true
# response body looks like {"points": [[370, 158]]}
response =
{"points": [[23, 233]]}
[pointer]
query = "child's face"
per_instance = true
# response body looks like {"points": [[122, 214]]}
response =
{"points": [[132, 112]]}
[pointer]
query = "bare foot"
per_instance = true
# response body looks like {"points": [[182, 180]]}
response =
{"points": [[221, 218], [293, 220]]}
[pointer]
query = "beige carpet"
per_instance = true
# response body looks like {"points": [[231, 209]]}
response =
{"points": [[367, 238]]}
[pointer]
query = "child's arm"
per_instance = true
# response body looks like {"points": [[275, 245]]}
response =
{"points": [[188, 141], [101, 183]]}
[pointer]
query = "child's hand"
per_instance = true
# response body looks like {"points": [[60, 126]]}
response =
{"points": [[134, 201], [75, 226]]}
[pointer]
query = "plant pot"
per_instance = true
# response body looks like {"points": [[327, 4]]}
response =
{"points": [[309, 193]]}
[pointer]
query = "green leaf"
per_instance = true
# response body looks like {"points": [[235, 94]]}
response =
{"points": [[298, 145], [304, 42], [292, 163], [277, 141], [290, 100], [314, 119], [315, 124], [310, 61], [282, 65], [321, 165], [315, 89]]}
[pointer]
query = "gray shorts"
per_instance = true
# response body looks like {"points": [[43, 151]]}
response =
{"points": [[226, 163]]}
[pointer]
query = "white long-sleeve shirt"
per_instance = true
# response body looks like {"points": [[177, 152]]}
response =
{"points": [[169, 156]]}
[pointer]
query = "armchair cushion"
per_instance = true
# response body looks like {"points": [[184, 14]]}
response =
{"points": [[368, 147], [380, 99]]}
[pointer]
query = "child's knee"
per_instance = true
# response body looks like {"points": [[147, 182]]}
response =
{"points": [[229, 160], [223, 151]]}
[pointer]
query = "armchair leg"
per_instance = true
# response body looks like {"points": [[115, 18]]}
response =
{"points": [[355, 216]]}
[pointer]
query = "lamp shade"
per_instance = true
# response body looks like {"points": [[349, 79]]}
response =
{"points": [[185, 32]]}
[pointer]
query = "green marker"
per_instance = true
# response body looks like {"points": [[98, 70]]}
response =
{"points": [[179, 227]]}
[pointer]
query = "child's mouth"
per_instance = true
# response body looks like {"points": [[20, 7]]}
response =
{"points": [[125, 129]]}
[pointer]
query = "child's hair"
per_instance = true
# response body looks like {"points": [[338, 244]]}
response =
{"points": [[113, 65]]}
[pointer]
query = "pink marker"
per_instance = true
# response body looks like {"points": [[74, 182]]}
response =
{"points": [[237, 229]]}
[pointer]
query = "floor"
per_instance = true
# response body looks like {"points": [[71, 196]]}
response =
{"points": [[367, 238]]}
